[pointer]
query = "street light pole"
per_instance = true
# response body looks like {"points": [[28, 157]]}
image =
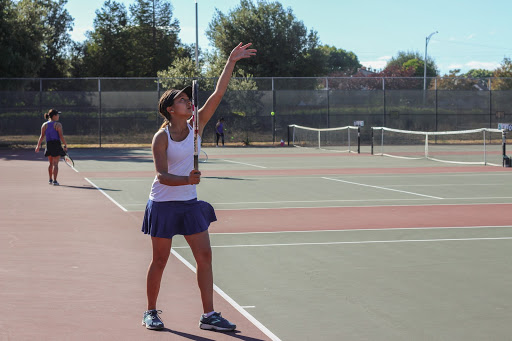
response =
{"points": [[427, 39]]}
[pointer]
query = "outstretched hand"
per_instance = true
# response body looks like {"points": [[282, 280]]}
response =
{"points": [[241, 51]]}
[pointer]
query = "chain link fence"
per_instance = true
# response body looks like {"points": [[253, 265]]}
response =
{"points": [[123, 111]]}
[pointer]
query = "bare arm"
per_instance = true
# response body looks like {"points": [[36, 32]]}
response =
{"points": [[43, 130], [207, 111], [159, 148]]}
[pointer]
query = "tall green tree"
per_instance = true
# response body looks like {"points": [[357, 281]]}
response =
{"points": [[154, 34], [20, 39], [34, 38], [284, 46], [134, 43], [107, 50], [57, 22], [339, 61]]}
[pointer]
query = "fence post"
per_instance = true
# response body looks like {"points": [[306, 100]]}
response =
{"points": [[384, 101], [490, 104], [99, 108], [435, 86], [157, 98], [272, 117], [41, 95], [328, 102]]}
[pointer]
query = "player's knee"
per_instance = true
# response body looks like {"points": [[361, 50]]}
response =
{"points": [[204, 256], [159, 261]]}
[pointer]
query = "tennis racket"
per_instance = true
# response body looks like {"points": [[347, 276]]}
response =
{"points": [[69, 160], [195, 123], [203, 157]]}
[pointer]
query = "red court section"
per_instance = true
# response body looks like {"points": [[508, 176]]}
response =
{"points": [[346, 218], [73, 265]]}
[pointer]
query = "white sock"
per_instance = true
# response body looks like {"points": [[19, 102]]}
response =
{"points": [[209, 314]]}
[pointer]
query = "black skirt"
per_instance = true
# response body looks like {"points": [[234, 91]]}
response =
{"points": [[54, 148]]}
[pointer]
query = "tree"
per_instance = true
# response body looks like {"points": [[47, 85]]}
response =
{"points": [[20, 36], [57, 22], [479, 73], [457, 81], [107, 48], [154, 35], [339, 60], [34, 38], [284, 46], [178, 75], [415, 60], [505, 72], [135, 44], [395, 77]]}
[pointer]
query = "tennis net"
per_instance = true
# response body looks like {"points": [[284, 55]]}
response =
{"points": [[340, 139], [477, 146]]}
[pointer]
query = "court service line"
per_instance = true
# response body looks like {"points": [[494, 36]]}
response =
{"points": [[358, 242], [243, 163], [379, 187], [235, 305], [105, 194], [370, 229]]}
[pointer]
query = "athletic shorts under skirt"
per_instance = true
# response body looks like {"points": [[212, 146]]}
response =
{"points": [[165, 219], [54, 148]]}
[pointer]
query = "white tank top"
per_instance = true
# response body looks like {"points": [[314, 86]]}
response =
{"points": [[180, 161]]}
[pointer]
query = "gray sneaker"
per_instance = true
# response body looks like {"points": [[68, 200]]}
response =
{"points": [[216, 322], [55, 183], [151, 320]]}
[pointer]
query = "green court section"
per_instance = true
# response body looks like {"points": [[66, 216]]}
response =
{"points": [[250, 192], [433, 284]]}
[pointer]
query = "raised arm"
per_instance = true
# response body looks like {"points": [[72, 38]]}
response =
{"points": [[207, 111]]}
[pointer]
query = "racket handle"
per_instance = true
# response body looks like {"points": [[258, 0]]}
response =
{"points": [[196, 162]]}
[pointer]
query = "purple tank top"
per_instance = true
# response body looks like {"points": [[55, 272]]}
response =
{"points": [[51, 133]]}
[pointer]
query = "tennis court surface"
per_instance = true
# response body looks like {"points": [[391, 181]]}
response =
{"points": [[309, 245]]}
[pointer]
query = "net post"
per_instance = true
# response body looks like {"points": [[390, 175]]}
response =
{"points": [[358, 140], [504, 146], [372, 141], [485, 151]]}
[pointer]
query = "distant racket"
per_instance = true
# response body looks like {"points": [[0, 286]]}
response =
{"points": [[203, 157], [69, 160], [195, 123]]}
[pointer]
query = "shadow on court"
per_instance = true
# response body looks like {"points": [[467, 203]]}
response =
{"points": [[235, 334]]}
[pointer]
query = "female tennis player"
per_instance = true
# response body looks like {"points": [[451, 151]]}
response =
{"points": [[173, 207], [52, 129]]}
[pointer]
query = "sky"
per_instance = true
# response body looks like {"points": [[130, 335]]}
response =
{"points": [[471, 34]]}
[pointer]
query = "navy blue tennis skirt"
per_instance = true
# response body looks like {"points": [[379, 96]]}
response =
{"points": [[54, 148], [168, 218]]}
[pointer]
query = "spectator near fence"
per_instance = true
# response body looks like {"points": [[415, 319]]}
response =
{"points": [[219, 131]]}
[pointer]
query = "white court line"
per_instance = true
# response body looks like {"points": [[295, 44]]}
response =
{"points": [[235, 305], [378, 229], [358, 242], [344, 206], [105, 194], [243, 163], [388, 189]]}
